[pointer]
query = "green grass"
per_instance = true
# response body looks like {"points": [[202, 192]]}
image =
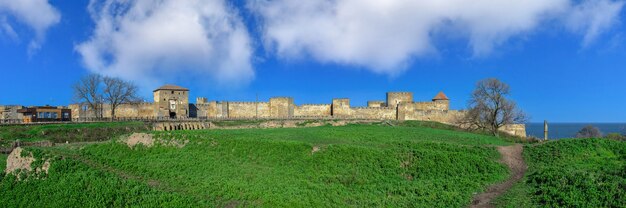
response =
{"points": [[68, 132], [3, 164], [74, 184], [356, 165], [437, 125], [573, 173], [410, 164], [238, 122]]}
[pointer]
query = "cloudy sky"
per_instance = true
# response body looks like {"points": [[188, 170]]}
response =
{"points": [[564, 59]]}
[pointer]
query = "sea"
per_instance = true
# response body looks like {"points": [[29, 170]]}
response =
{"points": [[569, 130]]}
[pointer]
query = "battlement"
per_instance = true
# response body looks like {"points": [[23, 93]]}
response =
{"points": [[201, 100], [373, 108], [400, 93], [243, 102], [376, 103], [315, 105]]}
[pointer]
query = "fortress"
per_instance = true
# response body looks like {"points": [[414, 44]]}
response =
{"points": [[172, 101]]}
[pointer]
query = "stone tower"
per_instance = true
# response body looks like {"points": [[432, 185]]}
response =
{"points": [[442, 101], [171, 101], [395, 98]]}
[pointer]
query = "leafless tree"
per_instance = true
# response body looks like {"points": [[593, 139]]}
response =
{"points": [[489, 109], [589, 131], [117, 92], [88, 91]]}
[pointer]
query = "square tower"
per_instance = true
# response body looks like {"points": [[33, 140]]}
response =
{"points": [[395, 98], [341, 107], [281, 107], [171, 101]]}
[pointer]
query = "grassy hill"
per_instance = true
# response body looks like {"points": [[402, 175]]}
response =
{"points": [[412, 164], [355, 165], [61, 133], [572, 173]]}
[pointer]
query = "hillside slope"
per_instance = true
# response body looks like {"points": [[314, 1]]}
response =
{"points": [[355, 165], [572, 173]]}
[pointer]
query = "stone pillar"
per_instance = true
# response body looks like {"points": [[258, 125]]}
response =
{"points": [[545, 130]]}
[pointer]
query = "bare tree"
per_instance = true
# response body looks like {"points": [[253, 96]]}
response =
{"points": [[88, 91], [589, 131], [117, 92], [489, 109]]}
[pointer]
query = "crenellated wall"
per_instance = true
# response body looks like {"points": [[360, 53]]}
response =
{"points": [[396, 98], [130, 110], [242, 109], [312, 110], [281, 107], [376, 104], [448, 117], [398, 106], [122, 111], [341, 108], [439, 105], [374, 113]]}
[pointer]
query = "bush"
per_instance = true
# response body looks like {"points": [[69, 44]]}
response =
{"points": [[616, 136], [589, 131]]}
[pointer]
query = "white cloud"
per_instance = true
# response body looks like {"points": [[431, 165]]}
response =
{"points": [[158, 41], [36, 14], [592, 17], [384, 36]]}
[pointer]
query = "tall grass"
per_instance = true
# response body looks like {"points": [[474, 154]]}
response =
{"points": [[355, 165], [60, 133], [573, 173]]}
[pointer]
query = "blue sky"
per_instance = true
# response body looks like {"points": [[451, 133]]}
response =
{"points": [[564, 60]]}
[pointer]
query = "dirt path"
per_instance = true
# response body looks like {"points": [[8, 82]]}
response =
{"points": [[512, 157]]}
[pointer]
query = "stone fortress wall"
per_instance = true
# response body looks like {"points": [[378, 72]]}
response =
{"points": [[172, 101]]}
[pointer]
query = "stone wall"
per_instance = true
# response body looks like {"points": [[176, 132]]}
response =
{"points": [[341, 108], [242, 109], [376, 104], [143, 110], [398, 106], [448, 117], [281, 107], [10, 112], [322, 110], [211, 109], [374, 113], [201, 100], [438, 105], [396, 98], [164, 98], [514, 129]]}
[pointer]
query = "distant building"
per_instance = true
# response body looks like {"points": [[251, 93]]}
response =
{"points": [[9, 112], [45, 114], [171, 101]]}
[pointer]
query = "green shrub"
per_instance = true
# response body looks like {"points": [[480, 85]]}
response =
{"points": [[578, 173]]}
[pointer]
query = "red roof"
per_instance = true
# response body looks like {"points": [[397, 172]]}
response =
{"points": [[171, 87], [441, 96]]}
